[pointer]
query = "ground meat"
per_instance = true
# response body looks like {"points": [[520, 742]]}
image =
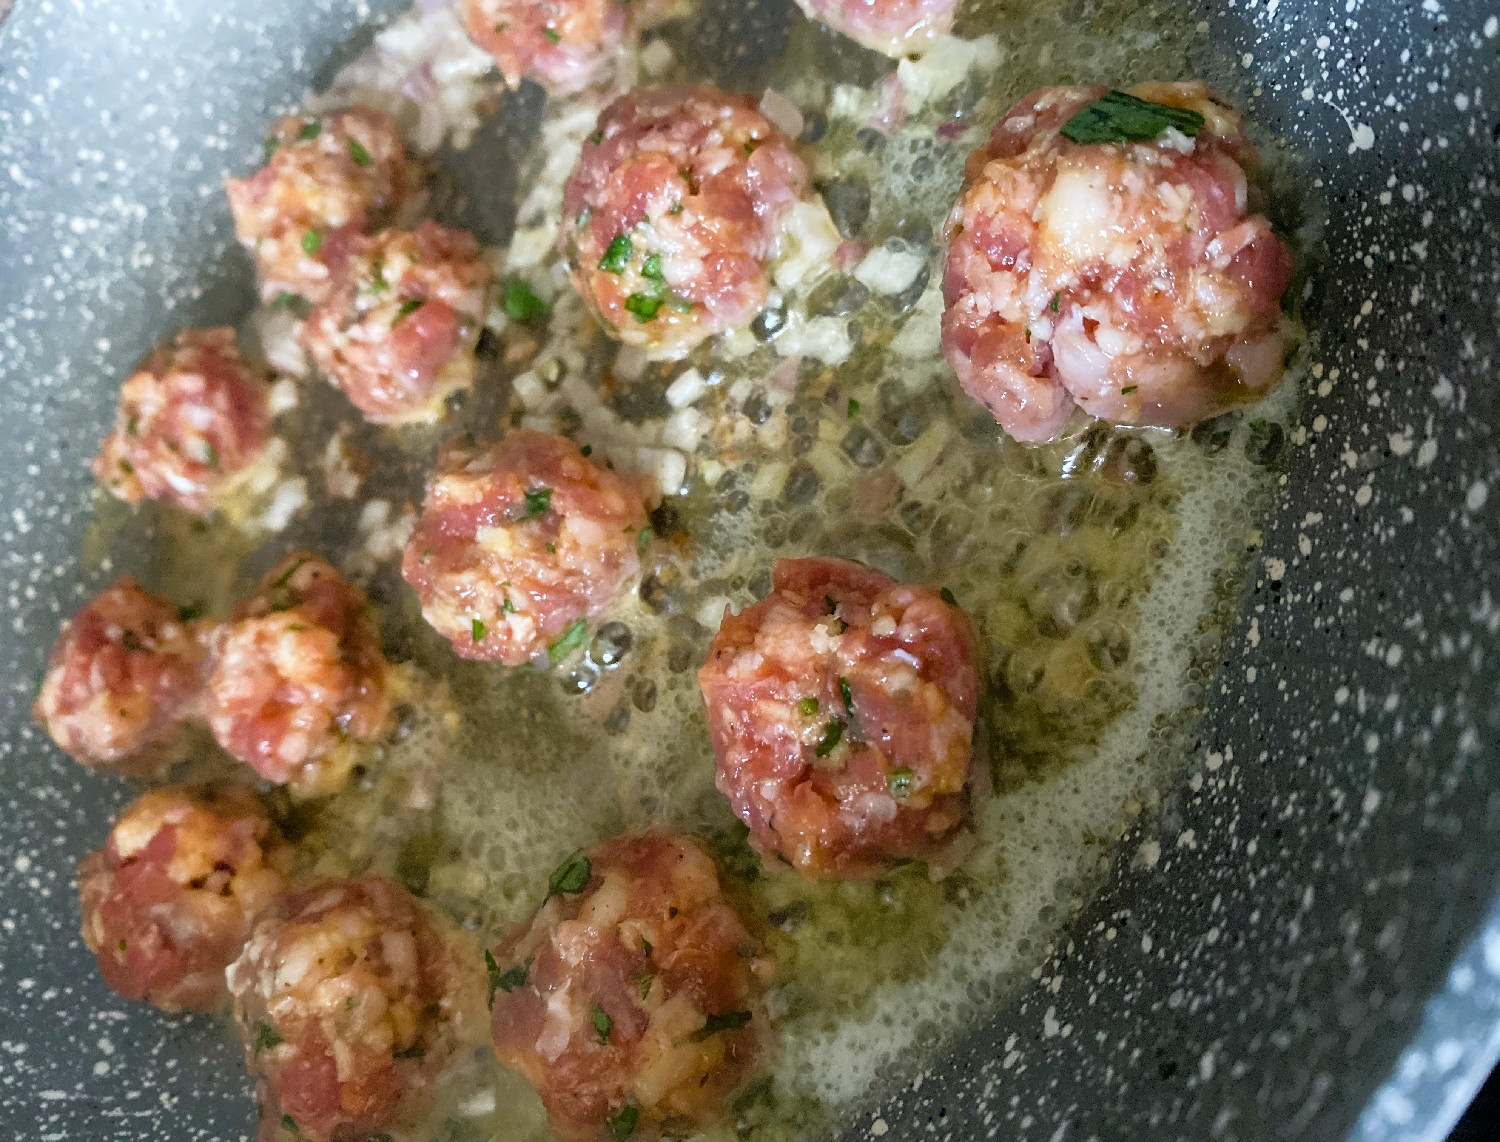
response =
{"points": [[518, 543], [1128, 279], [326, 180], [896, 28], [674, 211], [350, 998], [300, 688], [558, 43], [167, 902], [193, 419], [631, 1000], [398, 328], [842, 714], [125, 672]]}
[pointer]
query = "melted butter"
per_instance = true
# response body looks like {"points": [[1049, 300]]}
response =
{"points": [[1103, 569]]}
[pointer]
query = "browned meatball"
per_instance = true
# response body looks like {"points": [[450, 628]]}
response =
{"points": [[631, 1000], [193, 420], [398, 329], [124, 673], [519, 543], [300, 686], [842, 711], [350, 997], [326, 180], [167, 902]]}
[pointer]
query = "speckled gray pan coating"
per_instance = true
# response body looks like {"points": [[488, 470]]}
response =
{"points": [[1259, 977]]}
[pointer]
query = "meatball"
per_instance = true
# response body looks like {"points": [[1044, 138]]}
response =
{"points": [[398, 328], [193, 420], [558, 43], [350, 998], [673, 213], [1124, 277], [631, 1000], [299, 687], [518, 543], [167, 902], [842, 712], [326, 180], [125, 672], [897, 28]]}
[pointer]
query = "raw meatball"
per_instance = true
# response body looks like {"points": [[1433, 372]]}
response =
{"points": [[350, 998], [1127, 278], [842, 713], [326, 180], [896, 28], [558, 43], [631, 1001], [193, 420], [397, 331], [673, 213], [167, 902], [518, 543], [300, 687], [125, 672]]}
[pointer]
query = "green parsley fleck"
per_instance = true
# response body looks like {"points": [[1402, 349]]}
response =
{"points": [[507, 607], [408, 307], [1258, 425], [571, 640], [289, 1124], [311, 130], [266, 1036], [832, 734], [646, 945], [603, 1024], [847, 695], [729, 1021], [476, 628], [618, 255], [190, 612], [358, 153], [948, 597], [553, 36], [312, 242], [596, 138], [677, 209], [644, 982], [1056, 303], [808, 706], [651, 269], [522, 302], [642, 540], [1116, 117], [507, 980], [1128, 389], [586, 450], [853, 408], [643, 305], [286, 299], [286, 576], [210, 455], [378, 284], [538, 500], [622, 1125], [898, 781], [570, 876]]}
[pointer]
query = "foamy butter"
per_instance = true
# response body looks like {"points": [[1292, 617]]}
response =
{"points": [[1101, 569]]}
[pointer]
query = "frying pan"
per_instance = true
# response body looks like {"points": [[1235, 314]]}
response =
{"points": [[1313, 952]]}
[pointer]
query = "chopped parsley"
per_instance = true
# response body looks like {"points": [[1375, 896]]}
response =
{"points": [[522, 303], [833, 733], [133, 426], [1056, 303], [847, 695], [210, 455], [808, 706], [570, 876], [622, 1125], [618, 255], [378, 284], [644, 305], [646, 945], [476, 628], [190, 612], [596, 138], [311, 130], [947, 597], [586, 450], [538, 500], [898, 781], [553, 36], [642, 540], [571, 640], [1128, 389], [603, 1024], [644, 982], [312, 242], [853, 410], [729, 1021], [677, 209], [285, 299], [507, 607], [651, 269], [288, 1123], [408, 307], [507, 980], [286, 576], [266, 1036], [1116, 117], [358, 153]]}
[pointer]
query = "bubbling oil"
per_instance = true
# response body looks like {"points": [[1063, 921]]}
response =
{"points": [[1103, 570]]}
